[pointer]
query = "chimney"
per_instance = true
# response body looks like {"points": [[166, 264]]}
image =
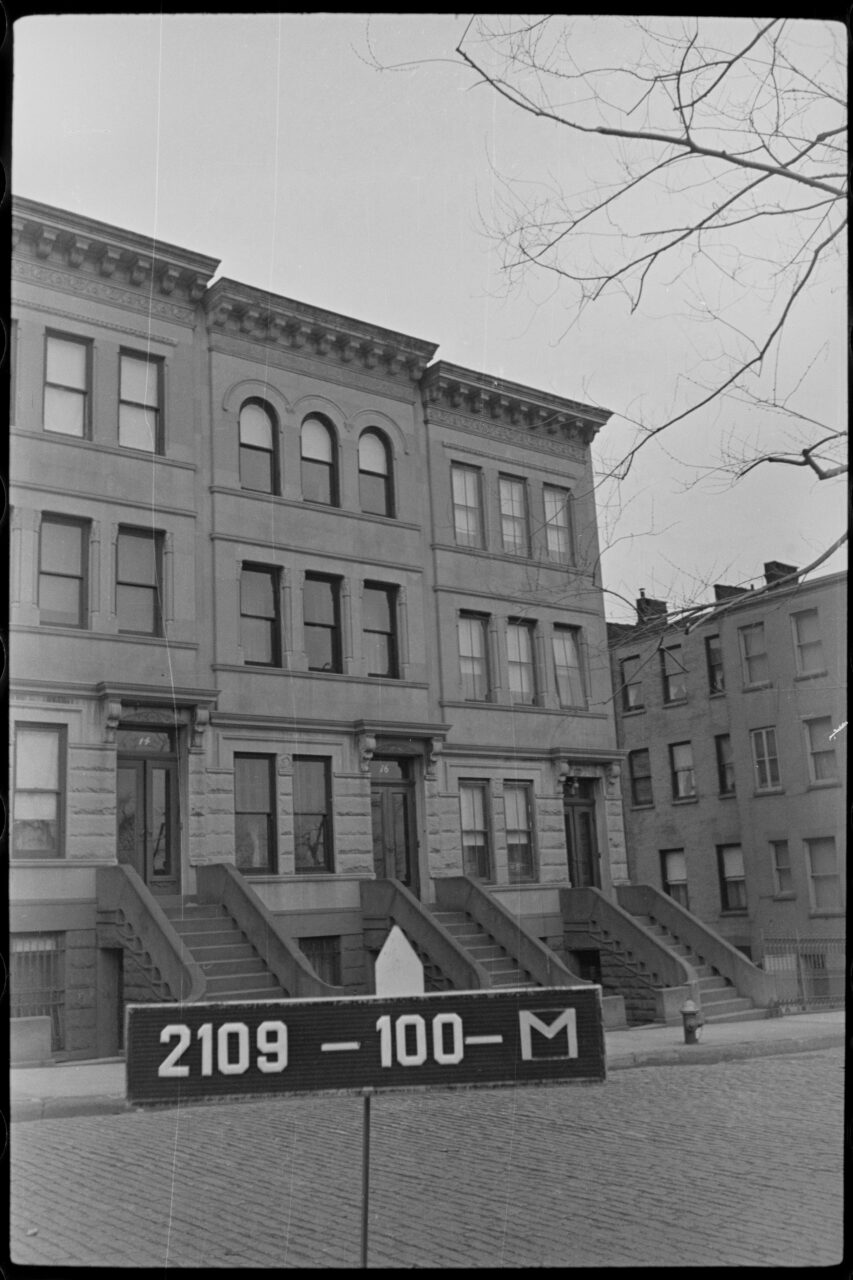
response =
{"points": [[726, 593], [650, 610], [774, 570]]}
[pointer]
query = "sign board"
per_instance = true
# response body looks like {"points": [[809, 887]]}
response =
{"points": [[179, 1053]]}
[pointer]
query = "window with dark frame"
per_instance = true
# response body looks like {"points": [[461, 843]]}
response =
{"points": [[66, 385], [674, 876], [140, 420], [673, 674], [823, 765], [467, 505], [38, 800], [714, 660], [512, 493], [375, 477], [476, 845], [519, 833], [521, 661], [640, 771], [725, 764], [63, 564], [37, 981], [783, 877], [321, 614], [319, 462], [632, 684], [765, 759], [260, 626], [258, 448], [558, 524], [139, 577], [681, 770], [808, 645], [753, 650], [732, 877], [312, 814], [568, 668], [379, 621], [472, 630], [826, 889], [324, 956], [254, 814]]}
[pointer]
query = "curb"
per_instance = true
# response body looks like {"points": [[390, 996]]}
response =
{"points": [[26, 1109]]}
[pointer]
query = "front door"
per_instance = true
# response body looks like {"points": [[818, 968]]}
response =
{"points": [[581, 842], [147, 807], [392, 812]]}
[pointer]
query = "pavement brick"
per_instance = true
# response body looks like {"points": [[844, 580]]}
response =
{"points": [[735, 1163]]}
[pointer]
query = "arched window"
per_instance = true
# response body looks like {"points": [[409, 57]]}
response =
{"points": [[319, 466], [375, 481], [258, 465]]}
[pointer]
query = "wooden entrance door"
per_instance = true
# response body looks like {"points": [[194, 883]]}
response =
{"points": [[581, 839], [147, 808], [392, 812]]}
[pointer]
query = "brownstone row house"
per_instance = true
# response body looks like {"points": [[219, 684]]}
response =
{"points": [[734, 724]]}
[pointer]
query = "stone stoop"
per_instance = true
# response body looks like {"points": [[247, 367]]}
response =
{"points": [[720, 1001], [502, 969], [229, 962]]}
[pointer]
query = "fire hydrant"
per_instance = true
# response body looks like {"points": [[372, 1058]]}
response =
{"points": [[692, 1019]]}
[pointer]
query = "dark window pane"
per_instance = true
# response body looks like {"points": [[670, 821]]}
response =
{"points": [[59, 600], [256, 470], [252, 841], [61, 547], [317, 482], [257, 596], [320, 649], [137, 559], [319, 601], [373, 494], [377, 609], [310, 841], [379, 653], [309, 785], [257, 638], [136, 608]]}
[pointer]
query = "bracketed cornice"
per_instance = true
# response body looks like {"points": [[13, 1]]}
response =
{"points": [[57, 238], [241, 311], [450, 388]]}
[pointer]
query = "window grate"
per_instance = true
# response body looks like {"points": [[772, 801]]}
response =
{"points": [[37, 981]]}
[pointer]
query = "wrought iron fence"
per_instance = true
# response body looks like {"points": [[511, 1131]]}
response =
{"points": [[37, 980], [808, 973]]}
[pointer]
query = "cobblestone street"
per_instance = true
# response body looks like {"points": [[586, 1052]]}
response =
{"points": [[738, 1163]]}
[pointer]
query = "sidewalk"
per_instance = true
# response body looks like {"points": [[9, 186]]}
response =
{"points": [[96, 1088]]}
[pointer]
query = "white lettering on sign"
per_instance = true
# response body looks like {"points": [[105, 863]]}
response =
{"points": [[410, 1040], [336, 1046], [233, 1053], [484, 1039], [528, 1023]]}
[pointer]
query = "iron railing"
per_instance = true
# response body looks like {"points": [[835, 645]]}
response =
{"points": [[807, 973], [37, 981]]}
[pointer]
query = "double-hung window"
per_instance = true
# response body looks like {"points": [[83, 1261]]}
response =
{"points": [[753, 652], [375, 481], [139, 579], [783, 878], [519, 833], [474, 656], [66, 385], [321, 611], [312, 814], [558, 524], [63, 560], [258, 439], [513, 500], [714, 660], [681, 770], [640, 771], [632, 684], [260, 632], [725, 764], [140, 421], [473, 807], [674, 875], [520, 655], [319, 462], [825, 885], [37, 812], [379, 618], [568, 669], [808, 645], [732, 877], [765, 759], [673, 674], [467, 505], [254, 813], [823, 766]]}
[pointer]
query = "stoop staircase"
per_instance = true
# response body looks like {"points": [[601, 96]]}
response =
{"points": [[720, 1001], [231, 965], [502, 969]]}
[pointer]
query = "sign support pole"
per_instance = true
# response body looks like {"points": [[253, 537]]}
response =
{"points": [[365, 1173]]}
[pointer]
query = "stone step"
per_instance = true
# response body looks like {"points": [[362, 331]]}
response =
{"points": [[514, 982], [194, 910], [213, 938], [237, 968], [450, 917], [232, 982], [223, 951], [204, 924], [244, 996], [486, 951], [499, 962]]}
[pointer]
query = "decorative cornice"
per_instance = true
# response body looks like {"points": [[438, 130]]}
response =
{"points": [[241, 311], [96, 250], [564, 445], [100, 291], [454, 396], [26, 304]]}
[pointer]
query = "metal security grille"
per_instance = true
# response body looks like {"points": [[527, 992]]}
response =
{"points": [[324, 957], [37, 980], [808, 973]]}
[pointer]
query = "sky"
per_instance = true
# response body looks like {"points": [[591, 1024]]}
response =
{"points": [[350, 162]]}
